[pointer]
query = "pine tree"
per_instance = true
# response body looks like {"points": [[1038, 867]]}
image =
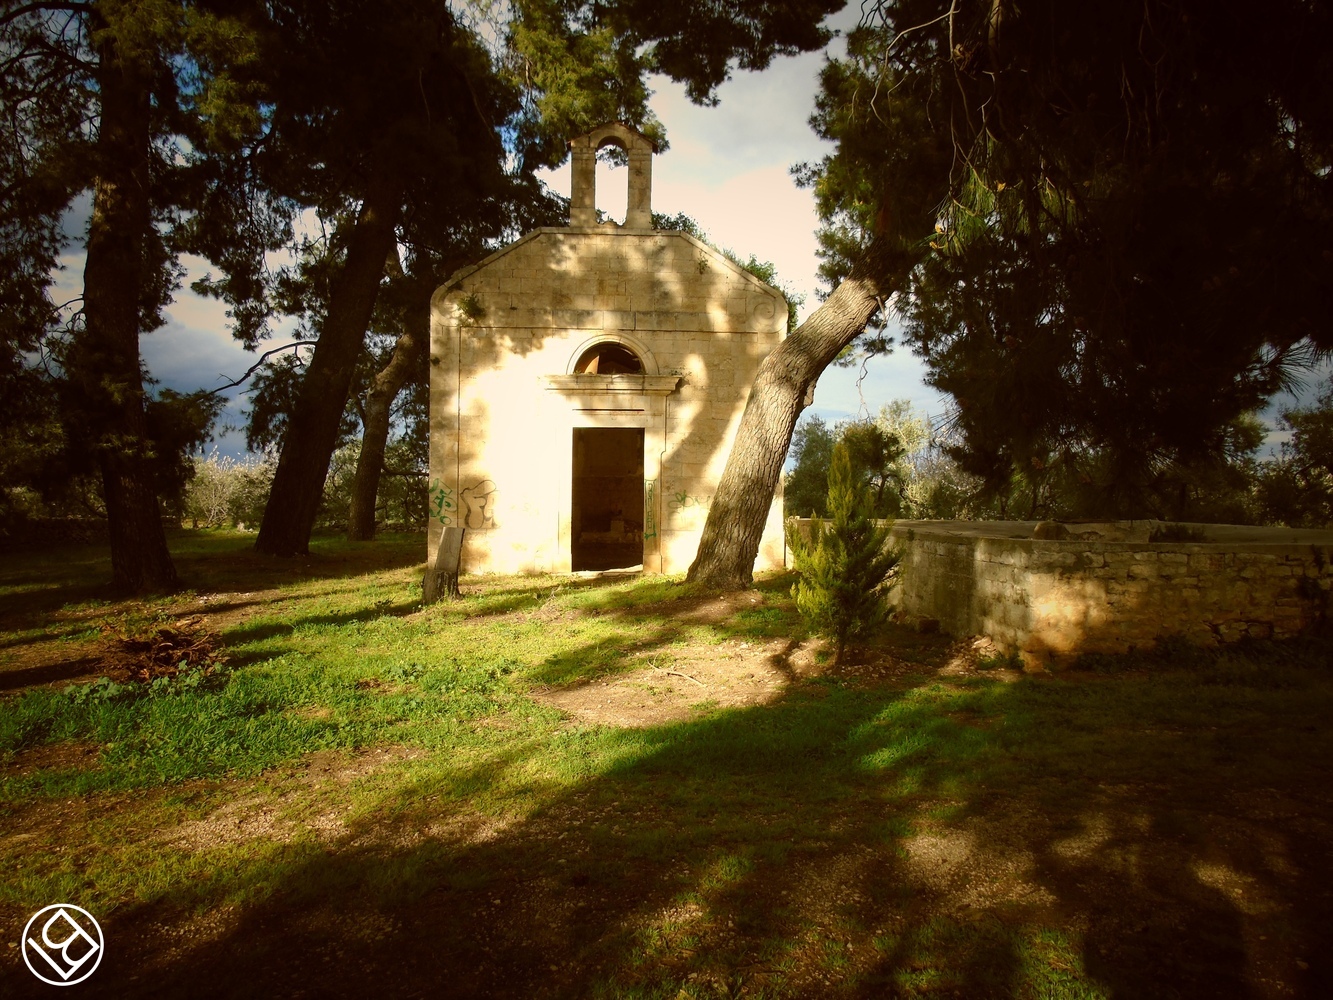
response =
{"points": [[846, 566], [135, 106], [1105, 225]]}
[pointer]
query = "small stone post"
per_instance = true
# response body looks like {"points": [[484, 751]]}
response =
{"points": [[583, 194], [442, 574]]}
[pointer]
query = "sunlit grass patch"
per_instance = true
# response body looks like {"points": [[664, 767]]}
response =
{"points": [[764, 621]]}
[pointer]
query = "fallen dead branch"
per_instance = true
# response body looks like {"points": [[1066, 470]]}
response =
{"points": [[677, 673]]}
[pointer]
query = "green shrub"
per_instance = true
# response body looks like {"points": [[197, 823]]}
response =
{"points": [[845, 565], [1000, 661]]}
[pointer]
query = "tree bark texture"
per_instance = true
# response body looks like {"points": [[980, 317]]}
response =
{"points": [[379, 405], [735, 525], [103, 366], [312, 428]]}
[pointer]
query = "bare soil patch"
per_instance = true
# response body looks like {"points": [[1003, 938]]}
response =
{"points": [[52, 757], [282, 812], [676, 685]]}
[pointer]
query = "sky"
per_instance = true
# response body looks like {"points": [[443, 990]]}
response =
{"points": [[728, 167]]}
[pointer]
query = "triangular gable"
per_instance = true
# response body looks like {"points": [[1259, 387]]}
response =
{"points": [[713, 254]]}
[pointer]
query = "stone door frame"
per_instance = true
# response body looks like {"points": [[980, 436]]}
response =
{"points": [[632, 401]]}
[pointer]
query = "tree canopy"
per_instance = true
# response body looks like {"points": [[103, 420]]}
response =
{"points": [[1124, 213], [1296, 488], [1105, 227], [877, 461]]}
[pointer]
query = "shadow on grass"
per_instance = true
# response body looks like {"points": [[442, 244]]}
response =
{"points": [[486, 599], [200, 567], [57, 594], [657, 614], [621, 654], [50, 673], [887, 842], [37, 583]]}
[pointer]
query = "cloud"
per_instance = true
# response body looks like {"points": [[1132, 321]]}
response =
{"points": [[761, 121], [195, 350], [188, 357]]}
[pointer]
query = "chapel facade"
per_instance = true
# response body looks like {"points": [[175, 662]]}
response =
{"points": [[586, 384]]}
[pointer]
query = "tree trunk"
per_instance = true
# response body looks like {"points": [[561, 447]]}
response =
{"points": [[312, 429], [103, 366], [375, 434], [735, 524]]}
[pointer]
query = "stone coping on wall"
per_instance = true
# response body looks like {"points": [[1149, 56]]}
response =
{"points": [[1083, 533]]}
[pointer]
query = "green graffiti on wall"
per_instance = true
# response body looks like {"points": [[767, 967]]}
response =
{"points": [[683, 501], [442, 505]]}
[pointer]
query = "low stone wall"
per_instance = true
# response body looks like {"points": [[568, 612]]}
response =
{"points": [[1106, 588], [1099, 591]]}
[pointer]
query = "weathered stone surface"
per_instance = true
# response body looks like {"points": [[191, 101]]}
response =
{"points": [[1050, 599], [1099, 531], [506, 334]]}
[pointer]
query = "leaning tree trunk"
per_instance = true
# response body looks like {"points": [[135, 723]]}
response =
{"points": [[104, 372], [375, 433], [312, 428], [735, 524]]}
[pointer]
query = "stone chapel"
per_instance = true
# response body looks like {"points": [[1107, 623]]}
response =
{"points": [[586, 383]]}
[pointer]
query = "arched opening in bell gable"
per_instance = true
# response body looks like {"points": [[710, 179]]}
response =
{"points": [[612, 183]]}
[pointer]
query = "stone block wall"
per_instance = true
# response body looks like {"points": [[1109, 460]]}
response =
{"points": [[1050, 600]]}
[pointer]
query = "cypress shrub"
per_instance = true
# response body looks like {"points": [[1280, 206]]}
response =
{"points": [[846, 567]]}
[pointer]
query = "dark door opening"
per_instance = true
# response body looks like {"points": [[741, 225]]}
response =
{"points": [[608, 498]]}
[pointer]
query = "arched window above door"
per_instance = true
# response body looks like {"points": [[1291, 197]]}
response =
{"points": [[608, 358]]}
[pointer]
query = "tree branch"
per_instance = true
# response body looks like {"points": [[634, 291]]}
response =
{"points": [[259, 364], [67, 57], [32, 8]]}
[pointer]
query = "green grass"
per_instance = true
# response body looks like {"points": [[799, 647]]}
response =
{"points": [[915, 837]]}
